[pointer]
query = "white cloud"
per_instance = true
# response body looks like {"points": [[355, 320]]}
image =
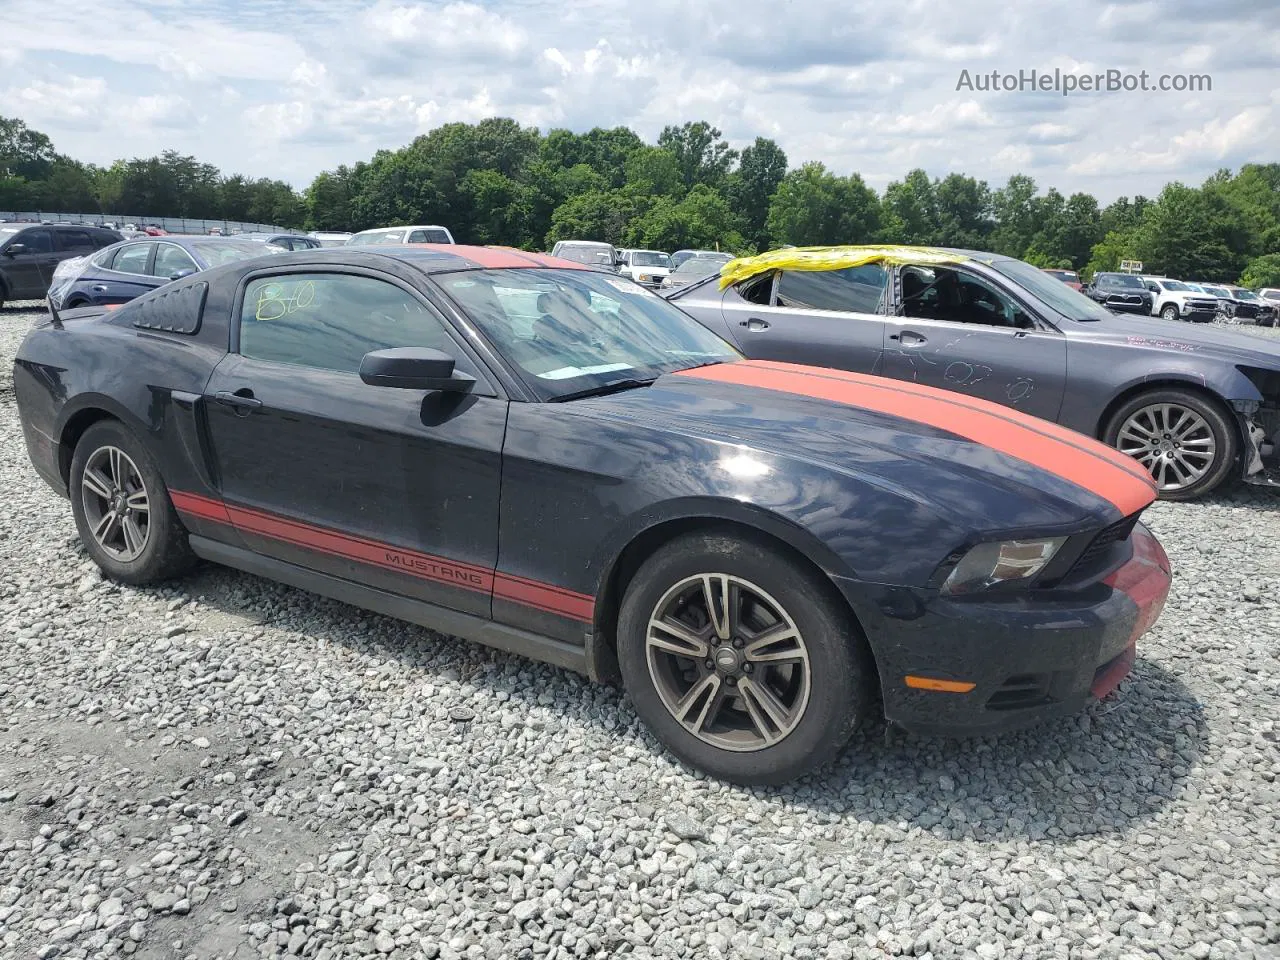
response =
{"points": [[285, 88]]}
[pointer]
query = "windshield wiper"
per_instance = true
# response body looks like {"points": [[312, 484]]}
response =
{"points": [[613, 386]]}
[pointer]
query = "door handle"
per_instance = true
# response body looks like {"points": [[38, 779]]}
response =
{"points": [[909, 338], [242, 401], [99, 288], [754, 324]]}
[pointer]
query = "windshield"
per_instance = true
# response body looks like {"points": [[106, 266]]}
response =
{"points": [[1066, 300], [1119, 281], [1061, 274], [1216, 291], [1241, 294], [9, 231], [217, 252], [571, 330], [1174, 285], [377, 236], [649, 258], [697, 267], [596, 256]]}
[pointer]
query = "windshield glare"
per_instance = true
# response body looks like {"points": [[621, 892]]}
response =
{"points": [[570, 330], [1123, 281], [1066, 300], [1242, 294], [648, 258], [1174, 285], [217, 252]]}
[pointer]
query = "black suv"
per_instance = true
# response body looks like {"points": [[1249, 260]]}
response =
{"points": [[1120, 293], [29, 253]]}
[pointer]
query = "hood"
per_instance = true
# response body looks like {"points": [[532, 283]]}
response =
{"points": [[652, 271], [978, 464], [1180, 338]]}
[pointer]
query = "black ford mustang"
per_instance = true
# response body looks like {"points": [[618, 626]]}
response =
{"points": [[555, 461]]}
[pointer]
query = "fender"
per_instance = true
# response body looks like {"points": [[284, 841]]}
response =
{"points": [[709, 508], [1220, 379]]}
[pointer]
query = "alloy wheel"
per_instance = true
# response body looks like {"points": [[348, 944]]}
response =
{"points": [[115, 503], [1172, 441], [728, 662]]}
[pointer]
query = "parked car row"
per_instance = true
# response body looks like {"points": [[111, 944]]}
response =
{"points": [[1169, 299], [549, 458]]}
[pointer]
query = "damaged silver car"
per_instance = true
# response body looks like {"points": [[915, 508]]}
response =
{"points": [[1196, 406]]}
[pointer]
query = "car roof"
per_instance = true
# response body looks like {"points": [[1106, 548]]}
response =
{"points": [[412, 226], [435, 257]]}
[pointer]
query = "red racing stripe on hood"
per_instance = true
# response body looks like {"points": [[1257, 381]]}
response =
{"points": [[1074, 457], [490, 257], [1047, 427]]}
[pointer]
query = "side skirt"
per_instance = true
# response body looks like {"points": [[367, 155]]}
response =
{"points": [[451, 622]]}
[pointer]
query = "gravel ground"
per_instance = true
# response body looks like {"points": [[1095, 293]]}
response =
{"points": [[224, 767]]}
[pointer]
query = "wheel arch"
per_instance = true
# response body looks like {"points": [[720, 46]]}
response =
{"points": [[790, 540], [88, 411], [1196, 386]]}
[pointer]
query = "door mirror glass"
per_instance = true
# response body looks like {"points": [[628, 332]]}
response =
{"points": [[13, 249], [413, 368], [184, 272]]}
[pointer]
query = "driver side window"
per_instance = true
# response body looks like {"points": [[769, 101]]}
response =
{"points": [[331, 320], [944, 293]]}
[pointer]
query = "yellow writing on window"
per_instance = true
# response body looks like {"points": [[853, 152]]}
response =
{"points": [[276, 300]]}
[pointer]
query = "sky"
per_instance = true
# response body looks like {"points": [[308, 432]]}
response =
{"points": [[287, 88]]}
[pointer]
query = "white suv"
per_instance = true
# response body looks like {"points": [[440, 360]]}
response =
{"points": [[647, 267], [1174, 300]]}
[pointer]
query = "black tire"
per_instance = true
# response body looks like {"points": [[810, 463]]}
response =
{"points": [[841, 684], [1226, 436], [1169, 312], [166, 552]]}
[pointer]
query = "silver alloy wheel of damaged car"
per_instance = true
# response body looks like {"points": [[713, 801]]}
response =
{"points": [[116, 506], [728, 662], [1172, 441]]}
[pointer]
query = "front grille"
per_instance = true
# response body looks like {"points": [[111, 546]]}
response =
{"points": [[1021, 691], [1106, 538], [1208, 306], [1246, 310]]}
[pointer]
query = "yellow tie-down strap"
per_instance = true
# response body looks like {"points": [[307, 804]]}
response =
{"points": [[831, 258]]}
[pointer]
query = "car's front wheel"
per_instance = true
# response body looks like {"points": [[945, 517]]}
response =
{"points": [[744, 663], [1184, 439], [1170, 312], [122, 509]]}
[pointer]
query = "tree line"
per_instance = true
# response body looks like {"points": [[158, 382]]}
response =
{"points": [[499, 182]]}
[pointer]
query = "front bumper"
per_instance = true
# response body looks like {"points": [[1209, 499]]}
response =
{"points": [[1003, 664]]}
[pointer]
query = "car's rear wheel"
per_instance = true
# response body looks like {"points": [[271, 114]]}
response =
{"points": [[744, 663], [122, 509], [1170, 312], [1185, 440]]}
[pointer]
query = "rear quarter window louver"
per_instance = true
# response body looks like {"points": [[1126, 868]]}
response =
{"points": [[173, 311]]}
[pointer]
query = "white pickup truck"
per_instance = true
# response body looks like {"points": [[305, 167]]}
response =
{"points": [[647, 267], [1174, 300]]}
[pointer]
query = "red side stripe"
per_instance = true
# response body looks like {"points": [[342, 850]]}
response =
{"points": [[555, 599], [530, 593], [199, 506], [985, 424], [1047, 427]]}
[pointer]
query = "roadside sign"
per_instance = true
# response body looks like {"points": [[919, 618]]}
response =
{"points": [[1130, 266]]}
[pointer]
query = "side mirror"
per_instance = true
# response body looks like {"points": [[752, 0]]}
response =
{"points": [[414, 368], [184, 272], [13, 249]]}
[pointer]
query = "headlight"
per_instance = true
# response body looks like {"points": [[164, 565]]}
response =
{"points": [[645, 278], [990, 564]]}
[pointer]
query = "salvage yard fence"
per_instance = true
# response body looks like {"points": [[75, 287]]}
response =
{"points": [[118, 220]]}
